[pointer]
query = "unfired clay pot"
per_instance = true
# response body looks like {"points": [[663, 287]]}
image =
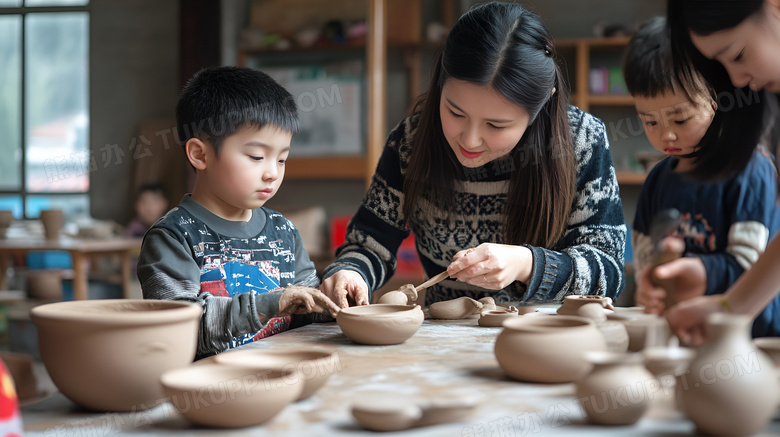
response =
{"points": [[572, 302], [666, 362], [613, 373], [20, 366], [547, 349], [732, 386], [771, 347], [109, 354], [460, 308], [6, 218], [396, 412], [495, 318], [646, 331], [380, 323], [313, 366], [227, 396], [52, 220], [45, 284], [614, 333]]}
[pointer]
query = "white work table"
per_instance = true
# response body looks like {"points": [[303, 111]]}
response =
{"points": [[443, 357]]}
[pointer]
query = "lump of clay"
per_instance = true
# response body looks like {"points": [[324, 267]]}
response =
{"points": [[393, 298], [460, 308]]}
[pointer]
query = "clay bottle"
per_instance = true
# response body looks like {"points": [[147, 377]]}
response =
{"points": [[732, 386], [614, 392]]}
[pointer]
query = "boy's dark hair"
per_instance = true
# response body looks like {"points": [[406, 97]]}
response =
{"points": [[155, 187], [218, 101], [647, 65]]}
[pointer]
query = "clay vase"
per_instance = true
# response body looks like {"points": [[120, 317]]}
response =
{"points": [[45, 284], [573, 302], [226, 396], [312, 366], [380, 324], [547, 349], [732, 386], [52, 220], [614, 373], [6, 218], [460, 308], [108, 354], [614, 333]]}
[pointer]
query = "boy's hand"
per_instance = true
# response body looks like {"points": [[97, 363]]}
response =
{"points": [[685, 278], [302, 300], [687, 318], [346, 285], [648, 295]]}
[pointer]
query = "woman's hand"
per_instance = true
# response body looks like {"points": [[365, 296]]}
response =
{"points": [[687, 318], [492, 266], [345, 286]]}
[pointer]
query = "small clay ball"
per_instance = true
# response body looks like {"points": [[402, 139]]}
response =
{"points": [[394, 298], [593, 311]]}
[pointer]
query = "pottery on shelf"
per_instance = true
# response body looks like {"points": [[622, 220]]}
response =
{"points": [[6, 218], [666, 362], [732, 386], [547, 349], [44, 284], [573, 302], [108, 354], [614, 373], [313, 366], [460, 308], [380, 324], [52, 220], [227, 396], [771, 347]]}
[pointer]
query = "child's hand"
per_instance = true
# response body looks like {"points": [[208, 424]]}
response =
{"points": [[301, 300], [346, 285], [687, 318], [492, 266], [648, 295]]}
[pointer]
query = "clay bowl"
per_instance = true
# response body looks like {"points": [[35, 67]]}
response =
{"points": [[109, 354], [771, 347], [386, 414], [665, 362], [227, 396], [380, 324], [312, 366], [573, 302], [547, 349]]}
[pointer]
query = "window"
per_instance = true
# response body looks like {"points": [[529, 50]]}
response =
{"points": [[44, 106]]}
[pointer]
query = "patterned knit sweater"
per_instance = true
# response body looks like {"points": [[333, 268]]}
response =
{"points": [[588, 259]]}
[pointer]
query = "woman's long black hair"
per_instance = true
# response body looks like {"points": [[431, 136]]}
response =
{"points": [[506, 47], [744, 118]]}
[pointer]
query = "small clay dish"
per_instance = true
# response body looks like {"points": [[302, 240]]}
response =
{"points": [[771, 347], [313, 366], [495, 319], [227, 396], [380, 324], [387, 415], [667, 360]]}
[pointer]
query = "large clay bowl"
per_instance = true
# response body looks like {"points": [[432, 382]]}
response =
{"points": [[227, 396], [381, 323], [109, 354], [312, 366], [547, 349]]}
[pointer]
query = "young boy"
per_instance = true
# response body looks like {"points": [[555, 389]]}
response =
{"points": [[244, 264], [725, 225]]}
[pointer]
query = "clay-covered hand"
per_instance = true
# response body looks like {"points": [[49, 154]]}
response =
{"points": [[492, 266], [302, 300], [345, 286], [687, 318], [648, 295]]}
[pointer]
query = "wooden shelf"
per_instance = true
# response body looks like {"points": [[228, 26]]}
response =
{"points": [[614, 41], [346, 167], [630, 178], [611, 100]]}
